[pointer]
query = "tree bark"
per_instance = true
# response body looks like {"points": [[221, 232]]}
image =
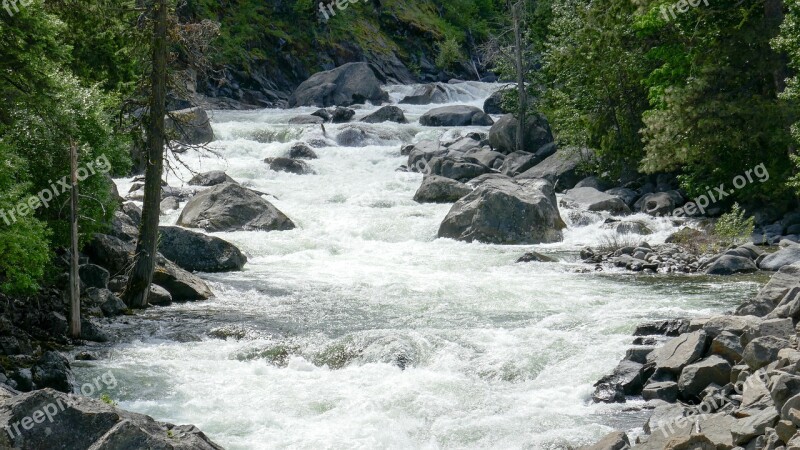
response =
{"points": [[74, 277], [520, 69], [141, 276]]}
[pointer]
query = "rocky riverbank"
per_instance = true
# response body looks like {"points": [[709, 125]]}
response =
{"points": [[723, 382]]}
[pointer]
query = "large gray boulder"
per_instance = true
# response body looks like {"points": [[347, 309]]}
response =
{"points": [[506, 211], [53, 419], [627, 378], [212, 178], [429, 159], [679, 352], [199, 252], [494, 104], [350, 84], [52, 370], [659, 203], [593, 200], [763, 350], [503, 134], [231, 207], [455, 116], [181, 285], [436, 189], [516, 163], [729, 265], [783, 257], [560, 168], [189, 126], [426, 94]]}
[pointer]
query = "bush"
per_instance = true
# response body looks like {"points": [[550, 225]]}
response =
{"points": [[449, 54], [733, 228]]}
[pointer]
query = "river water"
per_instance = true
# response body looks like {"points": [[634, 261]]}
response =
{"points": [[361, 329]]}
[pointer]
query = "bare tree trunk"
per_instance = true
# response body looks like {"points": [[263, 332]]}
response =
{"points": [[74, 277], [146, 248], [518, 55]]}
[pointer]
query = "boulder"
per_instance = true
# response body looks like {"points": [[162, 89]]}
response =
{"points": [[300, 150], [123, 227], [516, 163], [745, 429], [231, 207], [628, 375], [212, 178], [659, 203], [628, 196], [763, 350], [535, 257], [169, 204], [728, 346], [485, 157], [661, 390], [426, 94], [503, 134], [436, 189], [494, 104], [628, 227], [679, 352], [455, 116], [670, 327], [110, 252], [92, 275], [560, 168], [685, 235], [386, 114], [342, 115], [783, 257], [350, 84], [181, 285], [306, 120], [697, 376], [729, 265], [295, 166], [591, 199], [616, 440], [737, 325], [199, 252], [506, 211], [772, 294], [465, 144], [159, 296], [52, 370], [74, 422], [189, 126]]}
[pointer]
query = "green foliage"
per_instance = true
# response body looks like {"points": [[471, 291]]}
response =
{"points": [[734, 227], [105, 398], [789, 43], [449, 54]]}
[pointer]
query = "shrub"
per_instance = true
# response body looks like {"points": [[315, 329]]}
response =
{"points": [[449, 54], [733, 228]]}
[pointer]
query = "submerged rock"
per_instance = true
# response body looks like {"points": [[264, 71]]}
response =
{"points": [[212, 178], [289, 165]]}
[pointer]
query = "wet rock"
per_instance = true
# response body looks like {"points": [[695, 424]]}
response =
{"points": [[616, 440], [212, 178], [659, 203], [189, 126], [560, 168], [158, 296], [199, 252], [729, 265], [342, 115], [352, 137], [301, 150], [182, 285], [436, 189], [629, 196], [628, 375], [535, 257], [53, 371], [169, 204], [322, 113], [455, 116], [628, 227], [306, 120], [350, 84], [593, 200], [289, 165], [672, 327], [506, 211], [494, 104], [101, 426], [503, 134], [92, 275], [91, 332], [230, 207], [425, 95], [386, 114]]}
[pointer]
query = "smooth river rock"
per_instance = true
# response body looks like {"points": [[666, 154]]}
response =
{"points": [[350, 84]]}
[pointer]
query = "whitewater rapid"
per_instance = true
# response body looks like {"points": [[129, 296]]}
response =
{"points": [[361, 330]]}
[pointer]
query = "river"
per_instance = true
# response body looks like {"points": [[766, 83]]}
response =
{"points": [[361, 329]]}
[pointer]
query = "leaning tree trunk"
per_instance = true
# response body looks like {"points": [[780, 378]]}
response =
{"points": [[521, 94], [146, 248]]}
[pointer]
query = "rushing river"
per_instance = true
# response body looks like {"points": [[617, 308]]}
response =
{"points": [[361, 329]]}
